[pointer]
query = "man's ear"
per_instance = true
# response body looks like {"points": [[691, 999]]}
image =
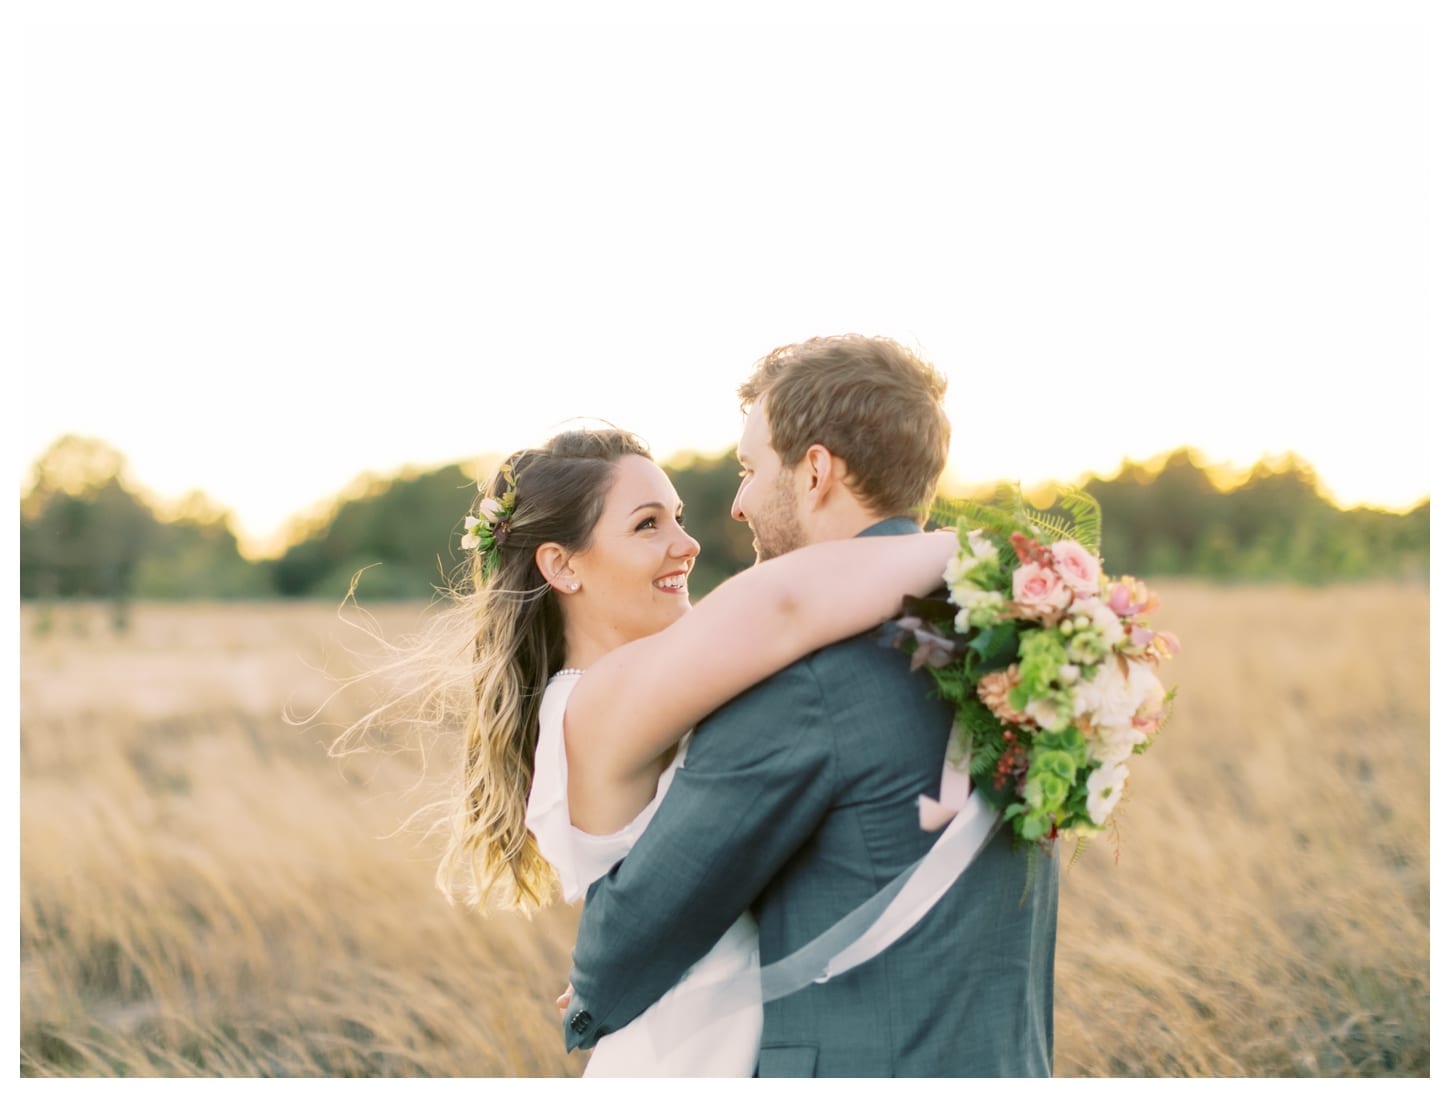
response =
{"points": [[823, 473], [553, 561]]}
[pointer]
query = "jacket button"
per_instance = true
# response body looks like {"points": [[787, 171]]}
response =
{"points": [[581, 1022]]}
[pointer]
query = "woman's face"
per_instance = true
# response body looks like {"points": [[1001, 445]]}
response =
{"points": [[632, 578]]}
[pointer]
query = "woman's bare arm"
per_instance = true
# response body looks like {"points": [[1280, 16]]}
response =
{"points": [[642, 697]]}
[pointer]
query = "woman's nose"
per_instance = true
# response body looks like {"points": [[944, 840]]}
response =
{"points": [[686, 546]]}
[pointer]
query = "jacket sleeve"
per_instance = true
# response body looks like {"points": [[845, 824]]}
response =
{"points": [[757, 780]]}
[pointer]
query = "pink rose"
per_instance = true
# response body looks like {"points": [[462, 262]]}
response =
{"points": [[1040, 592], [1121, 600], [1130, 597], [1078, 568]]}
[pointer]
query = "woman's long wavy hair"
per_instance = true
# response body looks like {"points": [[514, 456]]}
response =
{"points": [[510, 623]]}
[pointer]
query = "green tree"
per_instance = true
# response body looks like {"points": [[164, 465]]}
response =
{"points": [[403, 531], [195, 555], [83, 533]]}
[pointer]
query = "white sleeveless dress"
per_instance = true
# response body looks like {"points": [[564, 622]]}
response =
{"points": [[683, 1033]]}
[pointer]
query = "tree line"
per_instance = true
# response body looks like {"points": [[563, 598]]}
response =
{"points": [[85, 533]]}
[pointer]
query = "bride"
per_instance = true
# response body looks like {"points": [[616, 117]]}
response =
{"points": [[589, 666]]}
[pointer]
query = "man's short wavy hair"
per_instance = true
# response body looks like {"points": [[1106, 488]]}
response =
{"points": [[869, 401]]}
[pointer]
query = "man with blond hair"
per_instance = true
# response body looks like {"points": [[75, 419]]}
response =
{"points": [[798, 799]]}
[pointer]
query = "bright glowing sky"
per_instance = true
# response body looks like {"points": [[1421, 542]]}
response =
{"points": [[270, 246]]}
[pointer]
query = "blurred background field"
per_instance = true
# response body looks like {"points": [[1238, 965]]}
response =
{"points": [[204, 892]]}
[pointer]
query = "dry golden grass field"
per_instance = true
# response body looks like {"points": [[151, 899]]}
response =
{"points": [[205, 893]]}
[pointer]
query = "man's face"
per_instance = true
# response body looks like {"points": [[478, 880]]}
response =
{"points": [[767, 497]]}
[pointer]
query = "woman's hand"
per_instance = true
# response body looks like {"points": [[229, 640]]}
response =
{"points": [[563, 1001]]}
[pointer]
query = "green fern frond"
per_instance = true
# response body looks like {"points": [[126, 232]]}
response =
{"points": [[977, 720], [1077, 849], [1049, 526], [1073, 514], [973, 515], [952, 685], [984, 761], [1087, 517]]}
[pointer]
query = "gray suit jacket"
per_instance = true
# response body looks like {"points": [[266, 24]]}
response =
{"points": [[798, 800]]}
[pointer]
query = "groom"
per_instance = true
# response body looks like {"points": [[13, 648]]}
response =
{"points": [[798, 798]]}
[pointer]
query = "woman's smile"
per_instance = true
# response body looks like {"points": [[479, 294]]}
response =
{"points": [[674, 583]]}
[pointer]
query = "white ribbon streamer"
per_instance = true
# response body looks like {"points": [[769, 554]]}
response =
{"points": [[860, 935], [938, 871]]}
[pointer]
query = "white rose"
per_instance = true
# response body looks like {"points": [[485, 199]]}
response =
{"points": [[1102, 619], [1105, 786], [975, 596], [1105, 699], [1147, 692], [978, 607], [969, 596], [1108, 754], [958, 568], [1113, 746], [983, 551]]}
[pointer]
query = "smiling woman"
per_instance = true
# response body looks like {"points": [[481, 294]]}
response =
{"points": [[633, 578]]}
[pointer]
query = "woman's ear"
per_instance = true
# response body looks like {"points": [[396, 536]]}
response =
{"points": [[553, 563]]}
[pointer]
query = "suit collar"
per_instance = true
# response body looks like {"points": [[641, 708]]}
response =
{"points": [[898, 525]]}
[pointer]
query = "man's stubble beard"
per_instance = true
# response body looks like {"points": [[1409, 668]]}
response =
{"points": [[778, 528]]}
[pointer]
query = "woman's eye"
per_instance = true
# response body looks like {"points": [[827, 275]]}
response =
{"points": [[680, 520], [646, 524]]}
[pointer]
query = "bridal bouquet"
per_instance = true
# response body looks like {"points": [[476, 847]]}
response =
{"points": [[1049, 662]]}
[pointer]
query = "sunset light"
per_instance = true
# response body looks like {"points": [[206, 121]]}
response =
{"points": [[413, 245]]}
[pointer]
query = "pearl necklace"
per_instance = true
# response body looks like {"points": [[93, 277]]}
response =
{"points": [[565, 671]]}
